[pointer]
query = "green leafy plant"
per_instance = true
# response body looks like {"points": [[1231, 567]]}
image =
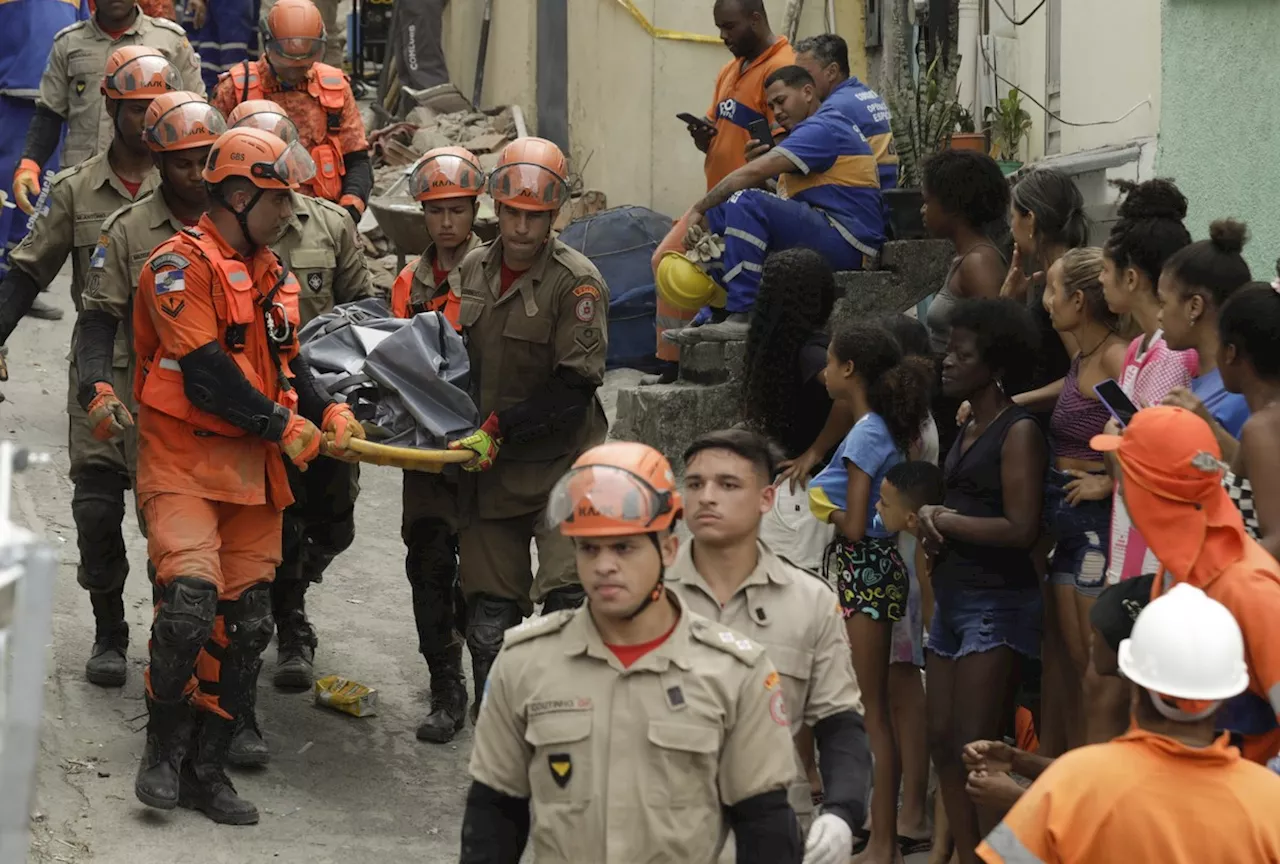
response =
{"points": [[1009, 124], [924, 114]]}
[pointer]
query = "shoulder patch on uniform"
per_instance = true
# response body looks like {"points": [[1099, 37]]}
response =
{"points": [[168, 259], [732, 643], [170, 25], [69, 28], [98, 259], [539, 625], [587, 290], [170, 282]]}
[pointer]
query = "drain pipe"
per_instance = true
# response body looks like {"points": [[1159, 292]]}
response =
{"points": [[968, 32]]}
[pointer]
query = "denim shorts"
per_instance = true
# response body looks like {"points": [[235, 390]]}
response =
{"points": [[1081, 535], [973, 620]]}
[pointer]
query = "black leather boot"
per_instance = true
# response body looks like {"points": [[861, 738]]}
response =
{"points": [[247, 749], [489, 618], [295, 638], [205, 785], [448, 697], [169, 730], [108, 664]]}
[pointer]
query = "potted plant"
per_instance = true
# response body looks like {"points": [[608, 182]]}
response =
{"points": [[966, 137], [1009, 124], [923, 117]]}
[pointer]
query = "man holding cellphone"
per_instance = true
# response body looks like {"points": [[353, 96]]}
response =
{"points": [[828, 199]]}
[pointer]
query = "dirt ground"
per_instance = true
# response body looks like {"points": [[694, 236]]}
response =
{"points": [[337, 788]]}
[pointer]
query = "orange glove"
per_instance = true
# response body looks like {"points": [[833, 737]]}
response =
{"points": [[300, 441], [26, 185], [108, 416], [340, 426]]}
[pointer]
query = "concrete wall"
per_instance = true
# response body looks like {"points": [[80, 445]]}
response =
{"points": [[1110, 62], [1218, 133], [625, 87]]}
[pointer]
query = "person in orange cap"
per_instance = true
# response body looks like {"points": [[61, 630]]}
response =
{"points": [[631, 728], [1171, 480], [100, 450], [222, 394], [534, 314], [317, 98], [448, 181]]}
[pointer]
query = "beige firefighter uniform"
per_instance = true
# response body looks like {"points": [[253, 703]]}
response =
{"points": [[320, 248], [621, 765], [553, 316], [80, 199], [335, 29], [77, 62], [796, 617]]}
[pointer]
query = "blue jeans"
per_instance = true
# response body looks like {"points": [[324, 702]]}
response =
{"points": [[753, 224], [1082, 536], [973, 620]]}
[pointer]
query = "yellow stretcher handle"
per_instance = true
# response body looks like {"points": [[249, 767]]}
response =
{"points": [[408, 458]]}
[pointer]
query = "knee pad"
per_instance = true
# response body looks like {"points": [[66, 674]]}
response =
{"points": [[489, 618], [432, 556], [567, 597], [249, 622], [183, 623], [97, 507], [333, 535]]}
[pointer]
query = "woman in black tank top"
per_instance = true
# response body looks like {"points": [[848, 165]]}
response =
{"points": [[988, 609]]}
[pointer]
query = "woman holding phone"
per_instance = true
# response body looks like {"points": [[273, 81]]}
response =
{"points": [[1078, 490]]}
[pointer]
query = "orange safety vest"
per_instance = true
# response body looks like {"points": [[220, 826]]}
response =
{"points": [[326, 86], [447, 304], [239, 305]]}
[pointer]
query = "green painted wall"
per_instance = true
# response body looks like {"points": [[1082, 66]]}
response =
{"points": [[1220, 119]]}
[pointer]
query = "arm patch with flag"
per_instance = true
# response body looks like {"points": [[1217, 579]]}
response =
{"points": [[170, 282]]}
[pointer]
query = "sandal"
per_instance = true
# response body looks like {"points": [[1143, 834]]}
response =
{"points": [[914, 845]]}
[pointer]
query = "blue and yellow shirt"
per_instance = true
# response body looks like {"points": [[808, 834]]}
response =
{"points": [[837, 174], [864, 107]]}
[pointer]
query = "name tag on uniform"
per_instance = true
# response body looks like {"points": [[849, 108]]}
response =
{"points": [[170, 282], [550, 706]]}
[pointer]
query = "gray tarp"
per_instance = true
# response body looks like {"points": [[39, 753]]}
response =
{"points": [[407, 377]]}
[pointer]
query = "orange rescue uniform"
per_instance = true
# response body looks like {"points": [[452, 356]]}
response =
{"points": [[1143, 798], [324, 110], [739, 99], [211, 494]]}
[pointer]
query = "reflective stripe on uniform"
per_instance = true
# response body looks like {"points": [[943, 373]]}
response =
{"points": [[871, 253], [170, 364], [747, 236], [1007, 845], [742, 265]]}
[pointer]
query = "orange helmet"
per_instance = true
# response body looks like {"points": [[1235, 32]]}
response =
{"points": [[259, 157], [531, 174], [447, 172], [139, 72], [265, 115], [294, 33], [613, 490], [181, 120]]}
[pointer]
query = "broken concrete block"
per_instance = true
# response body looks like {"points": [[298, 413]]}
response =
{"points": [[486, 142]]}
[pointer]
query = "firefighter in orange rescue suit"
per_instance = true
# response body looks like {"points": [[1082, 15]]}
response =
{"points": [[317, 97], [448, 181], [222, 393], [534, 316]]}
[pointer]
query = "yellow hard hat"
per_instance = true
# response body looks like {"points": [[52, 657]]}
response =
{"points": [[687, 286]]}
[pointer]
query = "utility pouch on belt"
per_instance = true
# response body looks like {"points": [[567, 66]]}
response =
{"points": [[327, 182]]}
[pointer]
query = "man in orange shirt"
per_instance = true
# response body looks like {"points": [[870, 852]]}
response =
{"points": [[738, 100], [1186, 796], [222, 393], [1171, 479]]}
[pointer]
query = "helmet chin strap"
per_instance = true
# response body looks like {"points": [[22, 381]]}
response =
{"points": [[242, 216], [658, 587]]}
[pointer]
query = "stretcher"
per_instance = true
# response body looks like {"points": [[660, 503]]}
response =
{"points": [[408, 458]]}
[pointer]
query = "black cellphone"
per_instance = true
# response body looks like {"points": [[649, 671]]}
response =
{"points": [[759, 130], [694, 119], [1120, 405]]}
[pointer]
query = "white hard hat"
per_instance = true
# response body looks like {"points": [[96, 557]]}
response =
{"points": [[1186, 645]]}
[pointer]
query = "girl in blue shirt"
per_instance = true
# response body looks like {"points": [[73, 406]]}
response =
{"points": [[1196, 282], [888, 396]]}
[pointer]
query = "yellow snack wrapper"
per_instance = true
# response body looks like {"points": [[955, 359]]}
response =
{"points": [[349, 697]]}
